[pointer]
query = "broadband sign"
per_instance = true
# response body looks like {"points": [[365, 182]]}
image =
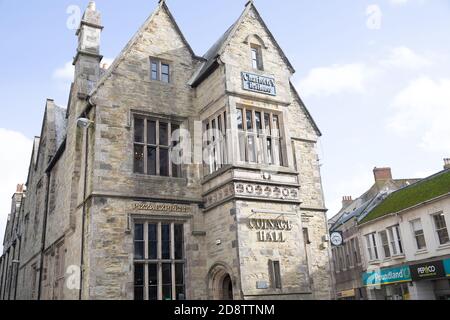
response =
{"points": [[386, 276]]}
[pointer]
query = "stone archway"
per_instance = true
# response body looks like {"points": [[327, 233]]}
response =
{"points": [[220, 283]]}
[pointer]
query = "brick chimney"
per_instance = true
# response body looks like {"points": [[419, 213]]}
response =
{"points": [[346, 201], [382, 174], [19, 188], [446, 163]]}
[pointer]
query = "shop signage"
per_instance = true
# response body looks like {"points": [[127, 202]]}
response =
{"points": [[175, 208], [260, 84], [429, 270], [270, 230], [346, 294], [447, 267], [386, 276]]}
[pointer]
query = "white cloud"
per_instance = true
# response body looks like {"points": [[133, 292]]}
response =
{"points": [[336, 79], [423, 109], [404, 57], [13, 169], [65, 73], [398, 2]]}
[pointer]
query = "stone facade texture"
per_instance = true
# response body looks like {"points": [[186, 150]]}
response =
{"points": [[83, 197]]}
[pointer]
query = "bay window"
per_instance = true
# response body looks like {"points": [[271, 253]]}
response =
{"points": [[259, 137], [159, 261]]}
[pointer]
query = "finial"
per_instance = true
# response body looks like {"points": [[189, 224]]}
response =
{"points": [[249, 2], [92, 6], [161, 1]]}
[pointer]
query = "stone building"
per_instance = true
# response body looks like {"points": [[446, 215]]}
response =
{"points": [[174, 176]]}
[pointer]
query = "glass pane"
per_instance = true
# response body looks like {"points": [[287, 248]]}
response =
{"points": [[240, 123], [269, 151], [138, 274], [179, 241], [179, 281], [139, 241], [251, 149], [249, 119], [154, 71], [242, 146], [152, 241], [138, 159], [139, 130], [167, 281], [151, 132], [176, 155], [138, 282], [165, 73], [276, 126], [164, 162], [139, 232], [151, 161], [153, 282], [258, 121], [163, 134], [267, 123], [165, 241]]}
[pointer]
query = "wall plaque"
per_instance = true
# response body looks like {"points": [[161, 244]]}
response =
{"points": [[260, 84]]}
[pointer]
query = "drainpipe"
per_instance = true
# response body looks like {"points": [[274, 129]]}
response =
{"points": [[17, 271], [44, 232], [83, 219]]}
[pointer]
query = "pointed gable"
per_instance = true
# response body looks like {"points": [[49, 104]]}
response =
{"points": [[219, 47], [148, 27]]}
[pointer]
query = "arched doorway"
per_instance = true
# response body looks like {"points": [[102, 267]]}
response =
{"points": [[220, 283], [227, 288]]}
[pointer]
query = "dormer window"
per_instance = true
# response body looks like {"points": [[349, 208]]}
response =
{"points": [[257, 62], [160, 71]]}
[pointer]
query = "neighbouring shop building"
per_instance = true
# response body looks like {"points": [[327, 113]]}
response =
{"points": [[348, 258], [174, 176], [406, 242]]}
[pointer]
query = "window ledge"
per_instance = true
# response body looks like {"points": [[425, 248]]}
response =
{"points": [[444, 246], [374, 262], [420, 252], [398, 256], [158, 178]]}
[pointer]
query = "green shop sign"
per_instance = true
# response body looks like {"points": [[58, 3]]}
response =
{"points": [[447, 267], [386, 276]]}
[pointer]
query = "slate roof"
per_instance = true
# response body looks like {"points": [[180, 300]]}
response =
{"points": [[60, 125], [410, 196]]}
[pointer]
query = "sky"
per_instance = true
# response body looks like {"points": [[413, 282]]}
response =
{"points": [[374, 75]]}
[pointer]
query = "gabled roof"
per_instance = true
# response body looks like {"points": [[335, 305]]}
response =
{"points": [[307, 113], [427, 189], [161, 6], [217, 49]]}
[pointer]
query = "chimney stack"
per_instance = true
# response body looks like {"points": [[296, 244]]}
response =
{"points": [[446, 163], [19, 188], [382, 174], [346, 201]]}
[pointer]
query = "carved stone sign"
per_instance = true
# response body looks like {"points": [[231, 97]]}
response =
{"points": [[260, 84], [161, 207], [270, 230]]}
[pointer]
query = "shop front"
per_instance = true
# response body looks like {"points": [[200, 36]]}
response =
{"points": [[431, 280], [388, 283]]}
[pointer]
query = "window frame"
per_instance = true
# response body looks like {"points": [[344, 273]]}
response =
{"points": [[395, 241], [371, 244], [436, 230], [160, 261], [275, 274], [216, 145], [421, 234], [146, 145], [160, 63], [385, 245], [256, 57]]}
